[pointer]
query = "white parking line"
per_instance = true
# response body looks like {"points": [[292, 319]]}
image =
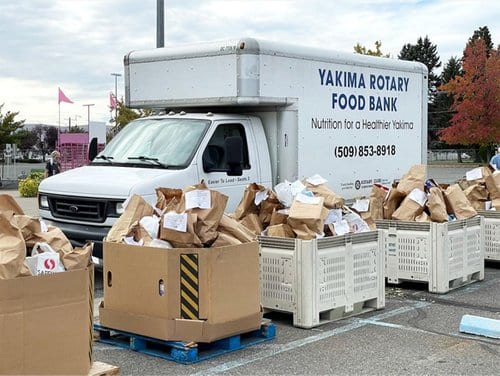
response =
{"points": [[305, 341]]}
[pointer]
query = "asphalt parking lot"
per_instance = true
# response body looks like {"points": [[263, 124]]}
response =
{"points": [[417, 333]]}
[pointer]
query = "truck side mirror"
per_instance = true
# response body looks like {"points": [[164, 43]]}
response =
{"points": [[234, 155], [93, 149]]}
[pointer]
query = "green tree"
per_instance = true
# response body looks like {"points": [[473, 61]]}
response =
{"points": [[442, 106], [26, 139], [426, 53], [76, 129], [8, 126], [358, 48], [125, 116], [484, 34]]}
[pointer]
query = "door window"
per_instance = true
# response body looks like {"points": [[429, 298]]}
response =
{"points": [[214, 158]]}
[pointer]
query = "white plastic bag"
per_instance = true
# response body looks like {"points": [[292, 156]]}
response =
{"points": [[44, 260]]}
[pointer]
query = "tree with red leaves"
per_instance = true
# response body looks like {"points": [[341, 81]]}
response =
{"points": [[476, 98]]}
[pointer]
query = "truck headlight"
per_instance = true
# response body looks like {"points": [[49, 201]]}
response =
{"points": [[43, 202], [119, 208]]}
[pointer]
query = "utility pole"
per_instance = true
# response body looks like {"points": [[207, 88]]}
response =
{"points": [[88, 115], [160, 25]]}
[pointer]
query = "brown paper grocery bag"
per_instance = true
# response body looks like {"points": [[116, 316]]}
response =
{"points": [[138, 233], [224, 239], [27, 224], [79, 258], [53, 237], [12, 248], [307, 219], [252, 222], [282, 231], [181, 239], [392, 202], [331, 199], [414, 178], [136, 208], [493, 185], [279, 217], [458, 203], [424, 217], [207, 218], [232, 227], [268, 207], [477, 195], [377, 198], [247, 203], [408, 210], [436, 205], [9, 204], [164, 196]]}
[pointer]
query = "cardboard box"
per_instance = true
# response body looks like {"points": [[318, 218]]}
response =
{"points": [[143, 291], [46, 323]]}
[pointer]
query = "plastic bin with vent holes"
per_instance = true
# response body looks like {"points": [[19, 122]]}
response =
{"points": [[491, 234], [322, 280], [444, 255]]}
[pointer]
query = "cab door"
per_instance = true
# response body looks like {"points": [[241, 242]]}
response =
{"points": [[212, 162]]}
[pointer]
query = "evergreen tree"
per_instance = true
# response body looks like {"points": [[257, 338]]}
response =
{"points": [[426, 53], [484, 34], [442, 107]]}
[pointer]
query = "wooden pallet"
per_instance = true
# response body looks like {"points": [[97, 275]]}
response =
{"points": [[184, 352], [103, 369]]}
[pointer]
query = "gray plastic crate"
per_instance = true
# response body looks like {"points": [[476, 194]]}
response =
{"points": [[445, 255], [322, 280]]}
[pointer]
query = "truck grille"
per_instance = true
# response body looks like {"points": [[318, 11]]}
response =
{"points": [[81, 209]]}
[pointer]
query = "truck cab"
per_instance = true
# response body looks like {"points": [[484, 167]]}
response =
{"points": [[175, 150]]}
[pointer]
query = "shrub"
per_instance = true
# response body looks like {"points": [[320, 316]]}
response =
{"points": [[29, 187]]}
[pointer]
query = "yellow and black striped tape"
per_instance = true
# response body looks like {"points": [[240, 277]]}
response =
{"points": [[189, 287]]}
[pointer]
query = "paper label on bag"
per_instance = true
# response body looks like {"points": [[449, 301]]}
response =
{"points": [[474, 174], [356, 223], [131, 241], [419, 196], [260, 196], [316, 180], [341, 227], [334, 215], [362, 205], [175, 221], [198, 198], [305, 199]]}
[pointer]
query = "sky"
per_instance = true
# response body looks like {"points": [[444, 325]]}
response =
{"points": [[76, 45]]}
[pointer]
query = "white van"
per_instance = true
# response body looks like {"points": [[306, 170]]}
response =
{"points": [[246, 111]]}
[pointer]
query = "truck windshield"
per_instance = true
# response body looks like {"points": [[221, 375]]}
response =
{"points": [[169, 142]]}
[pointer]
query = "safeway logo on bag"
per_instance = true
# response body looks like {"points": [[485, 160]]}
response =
{"points": [[49, 264]]}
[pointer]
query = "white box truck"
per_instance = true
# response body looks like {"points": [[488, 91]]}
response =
{"points": [[244, 111]]}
